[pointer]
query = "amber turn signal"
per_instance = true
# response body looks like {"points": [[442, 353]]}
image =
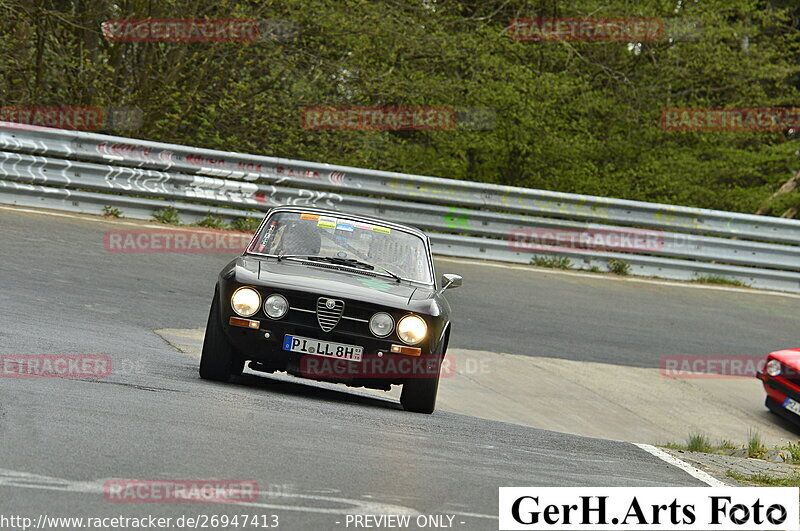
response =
{"points": [[246, 323], [410, 351]]}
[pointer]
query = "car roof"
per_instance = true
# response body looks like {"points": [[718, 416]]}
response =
{"points": [[336, 213]]}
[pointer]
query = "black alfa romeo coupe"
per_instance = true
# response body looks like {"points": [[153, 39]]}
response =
{"points": [[333, 297]]}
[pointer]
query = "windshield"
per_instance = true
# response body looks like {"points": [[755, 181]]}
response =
{"points": [[342, 238]]}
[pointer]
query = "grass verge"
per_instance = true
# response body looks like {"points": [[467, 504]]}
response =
{"points": [[766, 480], [719, 279], [753, 448], [557, 262]]}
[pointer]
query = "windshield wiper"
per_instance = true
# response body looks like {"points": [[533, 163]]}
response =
{"points": [[358, 263], [365, 265], [350, 262], [280, 257], [397, 277]]}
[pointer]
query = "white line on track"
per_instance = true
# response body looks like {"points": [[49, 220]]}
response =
{"points": [[671, 283], [477, 515], [335, 505], [686, 467]]}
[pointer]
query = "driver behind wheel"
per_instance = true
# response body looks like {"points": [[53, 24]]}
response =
{"points": [[299, 237]]}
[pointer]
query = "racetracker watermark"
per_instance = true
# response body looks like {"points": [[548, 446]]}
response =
{"points": [[694, 367], [586, 29], [75, 118], [199, 30], [54, 366], [378, 118], [585, 240], [387, 366], [175, 241], [656, 508], [733, 119], [180, 491]]}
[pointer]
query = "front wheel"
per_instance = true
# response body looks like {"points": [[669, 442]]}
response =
{"points": [[219, 360], [419, 394]]}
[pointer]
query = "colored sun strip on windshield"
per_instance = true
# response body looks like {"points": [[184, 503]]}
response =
{"points": [[345, 226], [327, 222]]}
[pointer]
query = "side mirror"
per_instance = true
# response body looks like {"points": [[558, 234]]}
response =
{"points": [[451, 281]]}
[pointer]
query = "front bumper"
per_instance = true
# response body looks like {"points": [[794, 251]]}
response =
{"points": [[378, 368], [777, 391]]}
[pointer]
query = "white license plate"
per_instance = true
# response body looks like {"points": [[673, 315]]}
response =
{"points": [[328, 349], [792, 406]]}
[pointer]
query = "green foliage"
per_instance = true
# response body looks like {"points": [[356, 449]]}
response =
{"points": [[167, 215], [577, 117], [719, 279], [766, 480], [245, 224], [212, 222], [698, 442], [619, 267], [557, 262], [112, 212], [794, 451], [755, 448]]}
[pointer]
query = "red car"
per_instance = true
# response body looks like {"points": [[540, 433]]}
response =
{"points": [[781, 378]]}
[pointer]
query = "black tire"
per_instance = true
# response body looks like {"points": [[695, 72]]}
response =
{"points": [[419, 394], [219, 360]]}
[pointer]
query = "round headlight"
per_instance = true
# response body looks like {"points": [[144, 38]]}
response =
{"points": [[773, 367], [412, 329], [276, 306], [245, 301], [381, 324]]}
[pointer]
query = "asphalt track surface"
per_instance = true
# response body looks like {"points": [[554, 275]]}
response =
{"points": [[635, 324], [316, 454]]}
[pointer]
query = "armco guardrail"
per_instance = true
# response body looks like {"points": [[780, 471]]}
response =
{"points": [[84, 171]]}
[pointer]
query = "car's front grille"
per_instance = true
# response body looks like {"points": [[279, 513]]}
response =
{"points": [[329, 312]]}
